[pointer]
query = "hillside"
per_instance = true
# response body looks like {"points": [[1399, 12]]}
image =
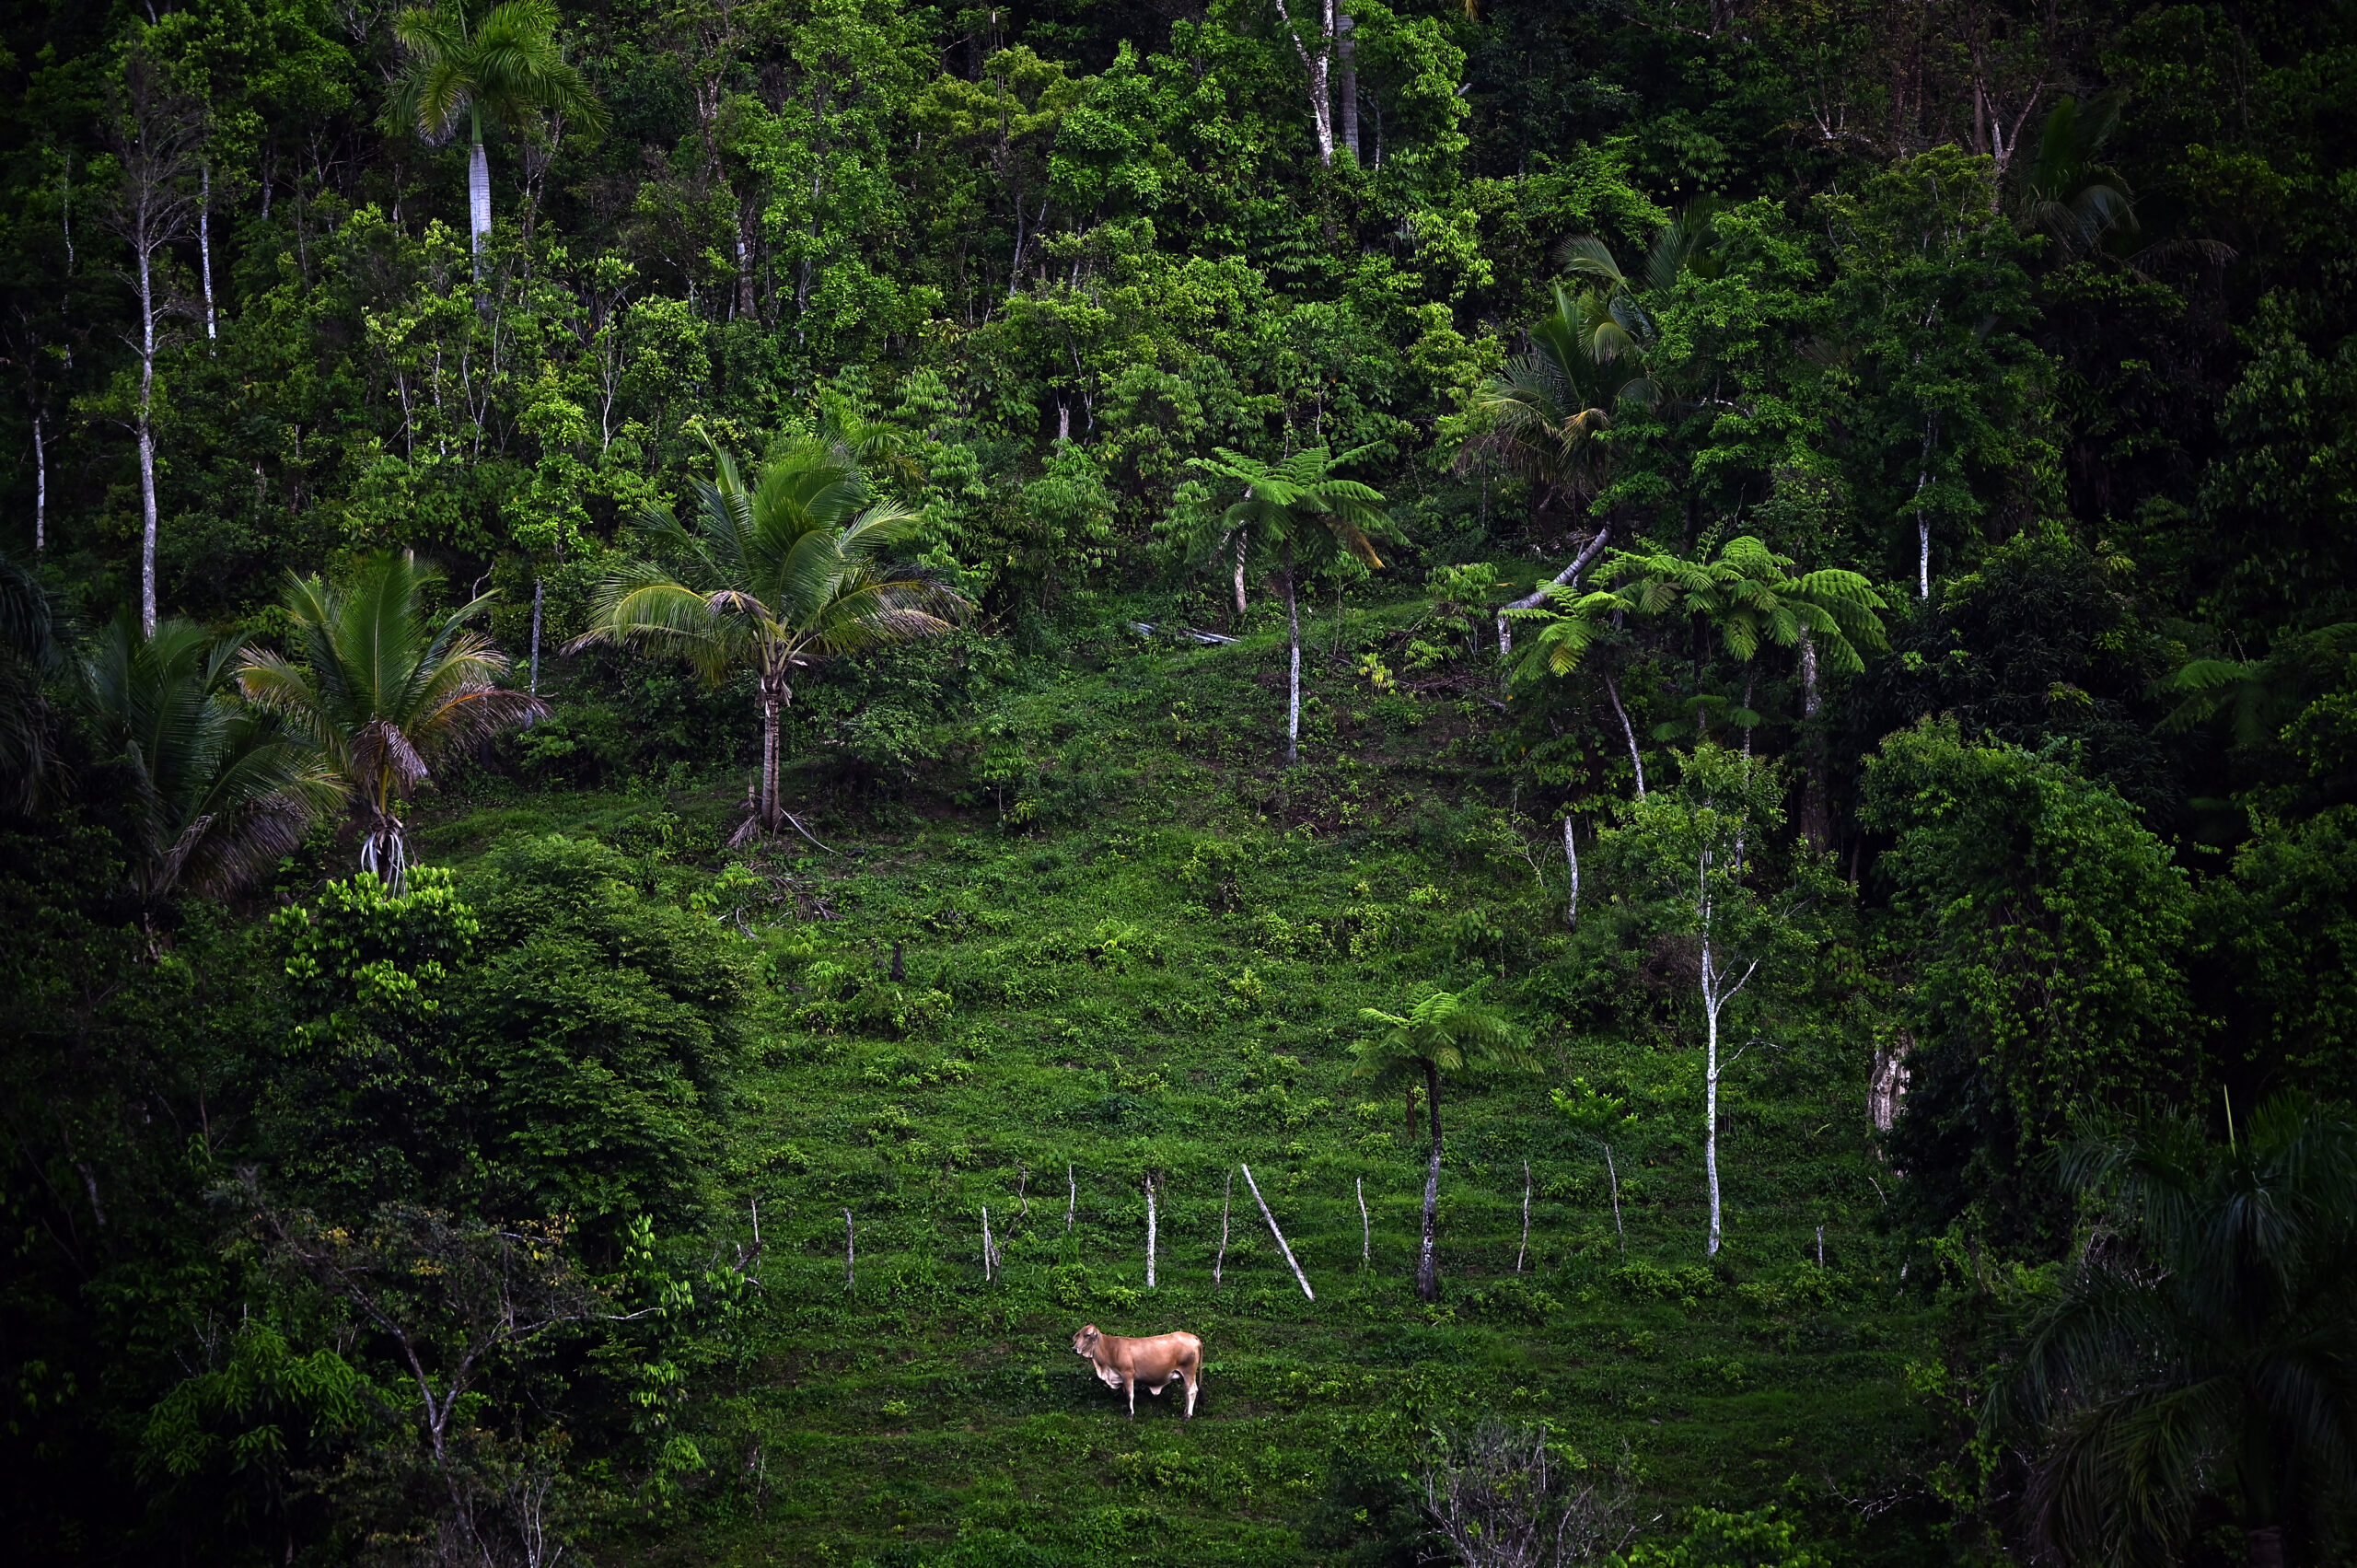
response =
{"points": [[1153, 959]]}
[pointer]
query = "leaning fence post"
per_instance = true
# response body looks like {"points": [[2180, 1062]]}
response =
{"points": [[851, 1277], [1613, 1171], [1526, 1218], [1072, 1199], [1299, 1277], [1366, 1226]]}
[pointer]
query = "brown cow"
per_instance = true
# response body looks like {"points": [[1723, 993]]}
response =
{"points": [[1153, 1361]]}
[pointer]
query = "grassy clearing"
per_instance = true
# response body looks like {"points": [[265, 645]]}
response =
{"points": [[1128, 945]]}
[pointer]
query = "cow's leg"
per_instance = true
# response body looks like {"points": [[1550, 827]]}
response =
{"points": [[1192, 1379], [1131, 1386]]}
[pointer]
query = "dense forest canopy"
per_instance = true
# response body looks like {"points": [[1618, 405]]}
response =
{"points": [[1685, 670]]}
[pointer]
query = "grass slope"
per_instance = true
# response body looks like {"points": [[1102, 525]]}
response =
{"points": [[1132, 945]]}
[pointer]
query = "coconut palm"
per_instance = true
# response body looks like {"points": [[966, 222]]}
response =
{"points": [[1301, 511], [2063, 190], [383, 691], [1446, 1033], [776, 575], [508, 65], [214, 789], [1586, 366], [2204, 1345], [1541, 413]]}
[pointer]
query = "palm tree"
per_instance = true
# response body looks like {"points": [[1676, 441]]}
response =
{"points": [[215, 789], [2204, 1344], [1542, 412], [1587, 364], [2064, 190], [1446, 1032], [508, 66], [383, 691], [1299, 510], [777, 575]]}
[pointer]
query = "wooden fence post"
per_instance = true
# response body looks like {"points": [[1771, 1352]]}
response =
{"points": [[851, 1275], [1366, 1226], [1221, 1261], [1526, 1218], [1149, 1233], [1302, 1279]]}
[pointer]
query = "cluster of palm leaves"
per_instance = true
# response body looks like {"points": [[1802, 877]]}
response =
{"points": [[219, 756], [1542, 417], [2202, 1350]]}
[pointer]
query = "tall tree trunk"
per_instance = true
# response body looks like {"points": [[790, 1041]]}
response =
{"points": [[1292, 645], [1428, 1259], [772, 705], [40, 481], [1922, 522], [1322, 109], [1711, 1093], [146, 432], [205, 246], [479, 199], [1571, 858], [1346, 57], [1239, 578]]}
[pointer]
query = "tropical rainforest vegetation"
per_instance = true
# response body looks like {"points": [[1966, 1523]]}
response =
{"points": [[1619, 733]]}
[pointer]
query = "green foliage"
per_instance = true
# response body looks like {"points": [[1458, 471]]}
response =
{"points": [[1714, 1538], [2048, 927], [2199, 1353]]}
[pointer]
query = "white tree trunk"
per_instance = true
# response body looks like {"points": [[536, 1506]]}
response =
{"points": [[534, 688], [41, 482], [1366, 1227], [1240, 577], [205, 246], [851, 1274], [1149, 1233], [1572, 857], [1292, 645], [1322, 109], [479, 202], [1072, 1199], [146, 432], [1635, 760], [1711, 1097]]}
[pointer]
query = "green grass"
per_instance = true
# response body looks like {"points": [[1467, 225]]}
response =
{"points": [[1132, 944]]}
